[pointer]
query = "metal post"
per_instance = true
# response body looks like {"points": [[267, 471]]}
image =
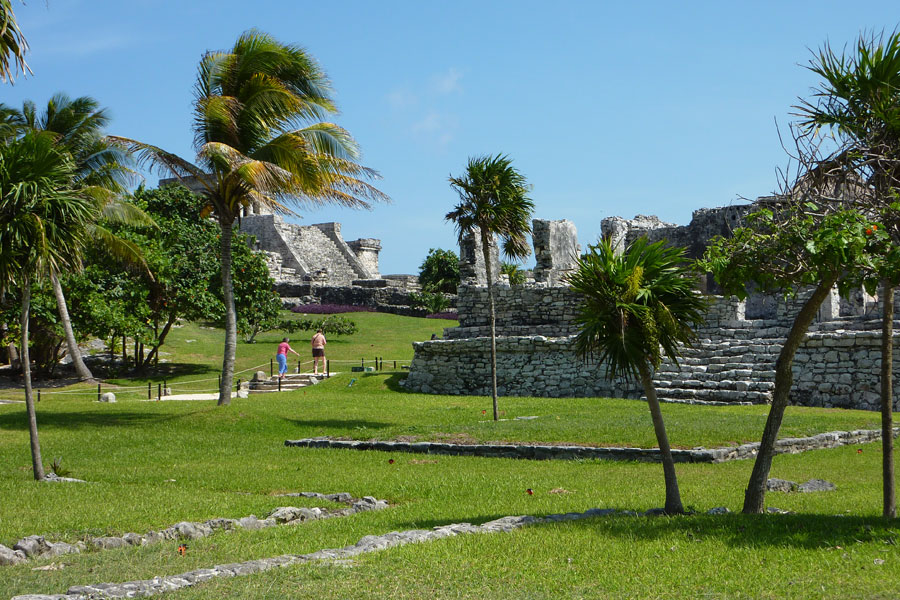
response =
{"points": [[98, 392], [395, 365], [149, 391], [165, 387], [271, 367], [362, 363], [39, 395], [279, 384], [239, 386], [327, 368], [158, 391]]}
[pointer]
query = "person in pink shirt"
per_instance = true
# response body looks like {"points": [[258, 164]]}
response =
{"points": [[281, 356]]}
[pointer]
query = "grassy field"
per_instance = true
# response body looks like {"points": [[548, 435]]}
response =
{"points": [[153, 464]]}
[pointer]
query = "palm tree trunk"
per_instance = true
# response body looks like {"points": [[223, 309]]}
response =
{"points": [[887, 400], [486, 251], [84, 374], [230, 314], [755, 494], [673, 495], [36, 463]]}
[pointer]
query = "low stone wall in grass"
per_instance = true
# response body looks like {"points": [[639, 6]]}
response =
{"points": [[831, 439]]}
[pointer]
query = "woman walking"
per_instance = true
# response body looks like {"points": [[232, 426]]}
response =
{"points": [[281, 356]]}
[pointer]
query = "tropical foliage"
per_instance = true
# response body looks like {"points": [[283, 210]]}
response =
{"points": [[12, 44], [261, 142], [439, 272], [493, 203], [638, 307]]}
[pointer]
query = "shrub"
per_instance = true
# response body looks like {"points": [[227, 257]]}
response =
{"points": [[331, 325], [453, 316], [434, 303]]}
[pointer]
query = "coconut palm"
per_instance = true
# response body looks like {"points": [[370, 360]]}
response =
{"points": [[493, 202], [101, 171], [260, 141], [637, 307], [12, 44], [42, 228], [859, 98]]}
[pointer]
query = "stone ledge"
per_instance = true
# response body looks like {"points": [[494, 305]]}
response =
{"points": [[831, 439]]}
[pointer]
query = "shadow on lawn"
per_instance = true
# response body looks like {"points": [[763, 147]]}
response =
{"points": [[80, 419], [339, 423], [807, 531]]}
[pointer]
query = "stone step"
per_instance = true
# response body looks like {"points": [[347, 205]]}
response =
{"points": [[714, 395]]}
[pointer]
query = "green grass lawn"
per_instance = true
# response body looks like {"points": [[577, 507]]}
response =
{"points": [[229, 461]]}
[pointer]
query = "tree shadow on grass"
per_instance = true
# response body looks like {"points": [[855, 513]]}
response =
{"points": [[806, 531], [339, 423], [12, 421], [393, 380]]}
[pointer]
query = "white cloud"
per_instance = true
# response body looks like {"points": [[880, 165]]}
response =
{"points": [[402, 98], [439, 128], [447, 83]]}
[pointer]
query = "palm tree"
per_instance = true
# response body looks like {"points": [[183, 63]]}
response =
{"points": [[250, 107], [493, 202], [42, 228], [101, 171], [637, 307], [12, 44], [859, 98]]}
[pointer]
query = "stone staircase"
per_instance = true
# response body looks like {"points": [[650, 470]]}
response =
{"points": [[311, 246], [725, 366], [291, 381]]}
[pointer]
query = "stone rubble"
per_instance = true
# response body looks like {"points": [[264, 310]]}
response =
{"points": [[35, 546], [813, 485], [369, 543], [831, 439]]}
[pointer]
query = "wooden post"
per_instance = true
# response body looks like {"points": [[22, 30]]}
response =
{"points": [[158, 391], [395, 365], [327, 368], [362, 363], [165, 387], [149, 391], [271, 367], [98, 392], [279, 384], [39, 395]]}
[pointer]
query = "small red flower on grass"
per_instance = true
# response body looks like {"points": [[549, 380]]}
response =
{"points": [[484, 412], [182, 549], [530, 492], [859, 451], [390, 461]]}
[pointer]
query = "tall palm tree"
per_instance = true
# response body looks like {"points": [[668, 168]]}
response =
{"points": [[12, 44], [260, 141], [859, 98], [637, 307], [493, 201], [42, 227], [102, 171]]}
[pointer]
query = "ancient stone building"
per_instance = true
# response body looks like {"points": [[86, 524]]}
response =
{"points": [[733, 360]]}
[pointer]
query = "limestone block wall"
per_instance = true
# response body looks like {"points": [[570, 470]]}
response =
{"points": [[526, 366], [525, 309]]}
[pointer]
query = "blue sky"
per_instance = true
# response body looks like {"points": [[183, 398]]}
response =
{"points": [[609, 109]]}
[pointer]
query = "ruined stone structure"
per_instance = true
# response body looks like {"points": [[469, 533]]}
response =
{"points": [[313, 264], [732, 362]]}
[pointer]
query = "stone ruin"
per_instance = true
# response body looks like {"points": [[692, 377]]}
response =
{"points": [[732, 362], [313, 264]]}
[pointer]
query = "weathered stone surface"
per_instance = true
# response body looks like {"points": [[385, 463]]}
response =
{"points": [[8, 556], [32, 546], [719, 510], [107, 543], [780, 485], [107, 397], [816, 485]]}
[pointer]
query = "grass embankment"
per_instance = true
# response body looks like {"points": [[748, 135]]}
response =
{"points": [[229, 461]]}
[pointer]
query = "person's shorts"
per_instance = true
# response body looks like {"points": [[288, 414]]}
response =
{"points": [[318, 352]]}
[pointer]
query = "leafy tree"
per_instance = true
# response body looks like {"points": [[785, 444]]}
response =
{"points": [[42, 227], [637, 307], [859, 100], [515, 274], [101, 171], [12, 44], [433, 303], [439, 272], [493, 202], [796, 246], [249, 103]]}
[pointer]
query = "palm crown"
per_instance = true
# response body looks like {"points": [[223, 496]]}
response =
{"points": [[638, 305]]}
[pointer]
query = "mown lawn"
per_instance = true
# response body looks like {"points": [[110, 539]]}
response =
{"points": [[229, 461]]}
